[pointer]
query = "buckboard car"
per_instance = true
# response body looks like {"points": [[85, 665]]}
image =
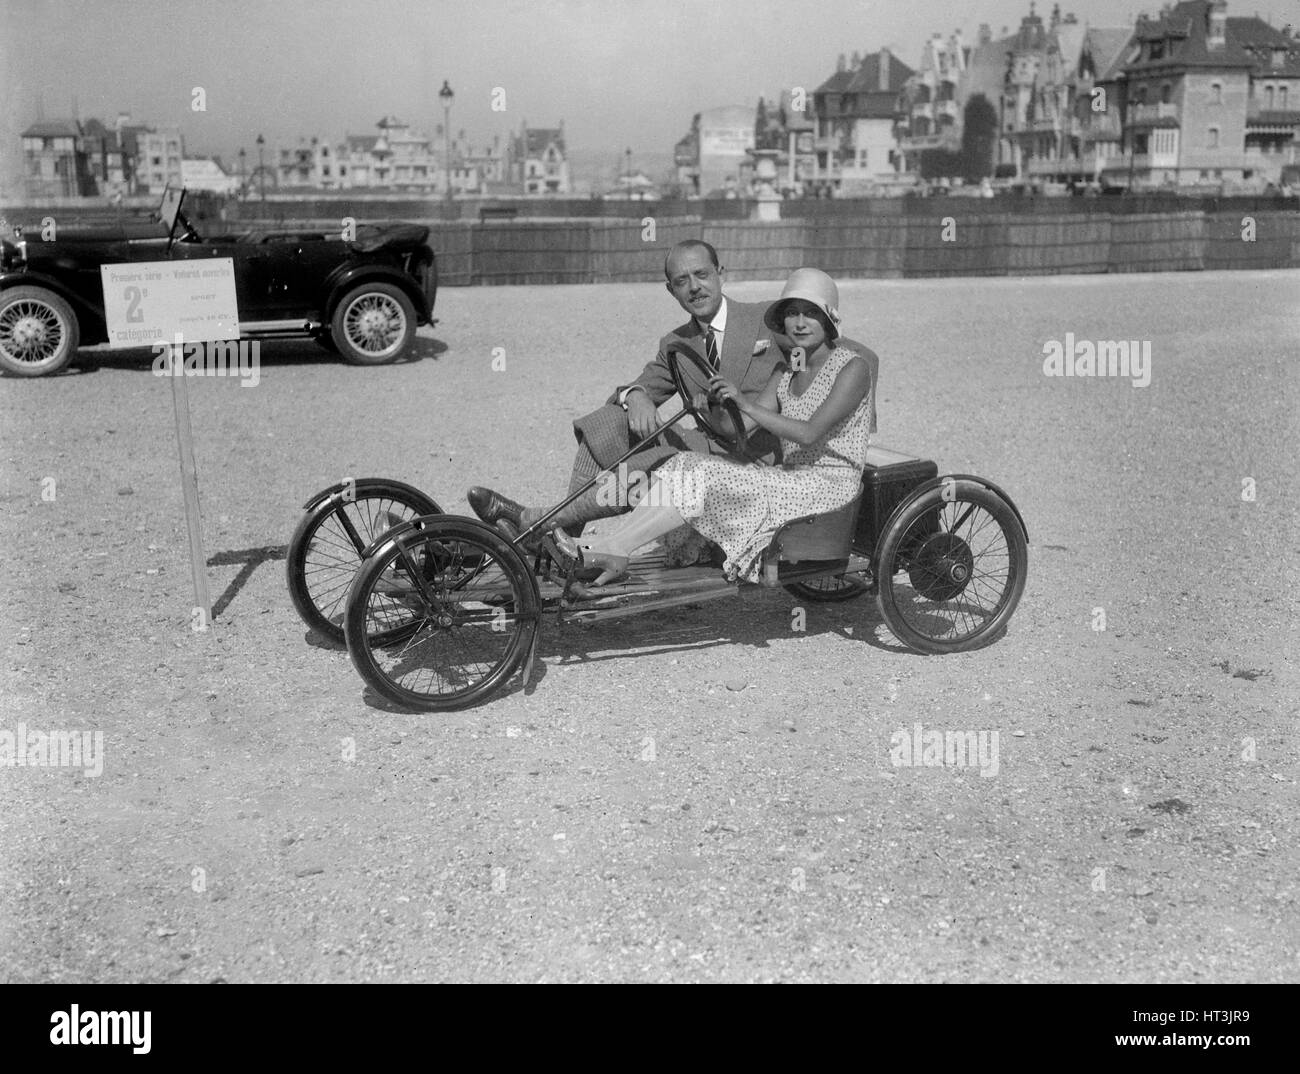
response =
{"points": [[362, 296], [439, 611]]}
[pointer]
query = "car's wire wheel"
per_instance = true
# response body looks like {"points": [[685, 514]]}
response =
{"points": [[374, 324], [38, 332]]}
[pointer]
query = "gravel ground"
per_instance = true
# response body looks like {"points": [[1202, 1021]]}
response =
{"points": [[704, 794]]}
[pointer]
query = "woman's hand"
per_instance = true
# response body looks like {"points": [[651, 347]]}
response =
{"points": [[722, 390]]}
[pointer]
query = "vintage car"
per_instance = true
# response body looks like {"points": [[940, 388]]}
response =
{"points": [[361, 293]]}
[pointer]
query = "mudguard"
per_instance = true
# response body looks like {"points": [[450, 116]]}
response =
{"points": [[340, 491], [83, 309], [937, 482], [355, 275]]}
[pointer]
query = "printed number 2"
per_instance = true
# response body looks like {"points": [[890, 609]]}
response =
{"points": [[134, 313]]}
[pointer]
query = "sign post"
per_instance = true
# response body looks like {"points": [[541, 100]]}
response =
{"points": [[201, 612], [178, 308]]}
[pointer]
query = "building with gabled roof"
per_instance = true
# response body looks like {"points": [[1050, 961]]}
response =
{"points": [[1209, 98], [55, 163], [857, 111], [537, 160], [933, 101]]}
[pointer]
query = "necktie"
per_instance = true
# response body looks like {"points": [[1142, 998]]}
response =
{"points": [[711, 350]]}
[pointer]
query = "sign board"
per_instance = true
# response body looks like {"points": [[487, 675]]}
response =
{"points": [[149, 302], [724, 141]]}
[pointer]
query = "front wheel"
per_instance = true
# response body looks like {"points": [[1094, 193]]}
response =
{"points": [[325, 549], [373, 324], [439, 618], [39, 333], [951, 568]]}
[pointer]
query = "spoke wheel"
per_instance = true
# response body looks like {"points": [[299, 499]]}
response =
{"points": [[373, 324], [829, 590], [952, 567], [439, 619], [325, 549], [38, 332]]}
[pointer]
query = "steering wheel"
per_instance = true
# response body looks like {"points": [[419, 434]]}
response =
{"points": [[187, 233], [734, 440]]}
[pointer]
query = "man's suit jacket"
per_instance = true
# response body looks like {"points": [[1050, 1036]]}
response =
{"points": [[747, 360]]}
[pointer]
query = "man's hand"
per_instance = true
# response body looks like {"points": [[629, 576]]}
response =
{"points": [[642, 414]]}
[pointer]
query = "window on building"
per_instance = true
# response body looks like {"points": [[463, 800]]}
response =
{"points": [[1279, 57], [1166, 92], [1140, 96], [1216, 93], [1268, 97], [1214, 138], [1281, 98]]}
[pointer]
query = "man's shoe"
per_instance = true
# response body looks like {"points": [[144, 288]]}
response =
{"points": [[491, 507]]}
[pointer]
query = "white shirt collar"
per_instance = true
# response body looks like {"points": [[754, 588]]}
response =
{"points": [[719, 322]]}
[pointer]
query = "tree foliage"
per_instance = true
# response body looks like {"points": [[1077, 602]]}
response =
{"points": [[978, 138]]}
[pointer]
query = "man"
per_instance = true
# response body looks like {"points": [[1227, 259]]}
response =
{"points": [[729, 335]]}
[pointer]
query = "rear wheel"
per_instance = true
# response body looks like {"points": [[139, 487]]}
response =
{"points": [[39, 333], [325, 549], [440, 618], [373, 324], [951, 568]]}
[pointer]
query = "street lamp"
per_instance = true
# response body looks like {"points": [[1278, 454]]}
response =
{"points": [[261, 170], [446, 96], [243, 185], [627, 170]]}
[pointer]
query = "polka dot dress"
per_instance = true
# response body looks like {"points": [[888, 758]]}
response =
{"points": [[741, 505]]}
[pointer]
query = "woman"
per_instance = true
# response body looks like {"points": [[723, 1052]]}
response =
{"points": [[820, 407]]}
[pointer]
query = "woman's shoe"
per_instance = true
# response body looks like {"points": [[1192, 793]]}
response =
{"points": [[599, 568]]}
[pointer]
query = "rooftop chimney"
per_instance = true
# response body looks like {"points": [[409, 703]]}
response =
{"points": [[884, 69], [856, 61], [839, 64], [1216, 24]]}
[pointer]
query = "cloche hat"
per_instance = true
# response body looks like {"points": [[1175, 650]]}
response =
{"points": [[811, 285]]}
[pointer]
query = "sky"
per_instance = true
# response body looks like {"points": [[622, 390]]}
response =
{"points": [[620, 73]]}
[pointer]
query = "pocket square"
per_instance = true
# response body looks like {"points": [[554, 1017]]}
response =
{"points": [[761, 347]]}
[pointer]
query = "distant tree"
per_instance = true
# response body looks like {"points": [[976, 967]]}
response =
{"points": [[760, 125], [978, 137]]}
